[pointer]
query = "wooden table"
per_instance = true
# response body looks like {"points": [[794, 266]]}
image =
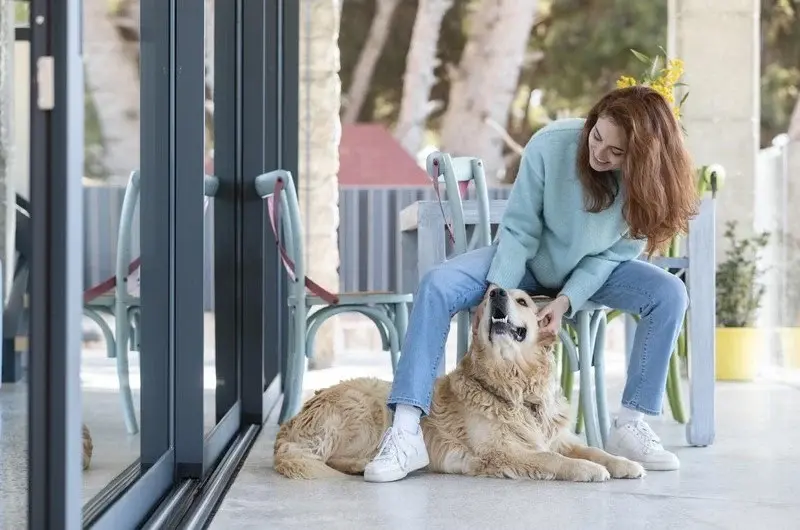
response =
{"points": [[423, 245]]}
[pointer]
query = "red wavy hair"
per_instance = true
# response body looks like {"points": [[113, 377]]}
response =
{"points": [[658, 175]]}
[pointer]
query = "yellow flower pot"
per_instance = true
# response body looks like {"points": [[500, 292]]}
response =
{"points": [[790, 345], [737, 353]]}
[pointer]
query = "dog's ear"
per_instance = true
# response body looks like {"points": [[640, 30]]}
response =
{"points": [[547, 339]]}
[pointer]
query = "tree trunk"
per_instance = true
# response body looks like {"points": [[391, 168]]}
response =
{"points": [[368, 58], [113, 81], [320, 130], [484, 84], [419, 77]]}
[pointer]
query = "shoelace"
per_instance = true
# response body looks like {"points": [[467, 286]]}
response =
{"points": [[390, 447], [645, 434]]}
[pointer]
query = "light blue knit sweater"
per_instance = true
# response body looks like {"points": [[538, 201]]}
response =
{"points": [[546, 228]]}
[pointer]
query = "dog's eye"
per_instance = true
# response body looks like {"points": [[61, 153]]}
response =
{"points": [[522, 302]]}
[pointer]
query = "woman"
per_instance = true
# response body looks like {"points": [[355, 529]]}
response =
{"points": [[590, 196]]}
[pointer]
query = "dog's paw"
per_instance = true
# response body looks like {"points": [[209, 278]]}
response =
{"points": [[623, 468], [585, 471]]}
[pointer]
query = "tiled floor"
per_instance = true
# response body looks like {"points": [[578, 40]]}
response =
{"points": [[748, 479]]}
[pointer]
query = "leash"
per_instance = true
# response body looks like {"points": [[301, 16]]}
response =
{"points": [[273, 209], [463, 188]]}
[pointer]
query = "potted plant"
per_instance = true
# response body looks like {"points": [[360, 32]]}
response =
{"points": [[739, 296], [789, 311]]}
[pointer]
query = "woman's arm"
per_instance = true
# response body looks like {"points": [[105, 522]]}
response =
{"points": [[521, 226], [593, 271]]}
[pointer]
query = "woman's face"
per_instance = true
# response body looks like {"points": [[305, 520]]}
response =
{"points": [[607, 143]]}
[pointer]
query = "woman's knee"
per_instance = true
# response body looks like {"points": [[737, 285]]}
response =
{"points": [[447, 282], [458, 283], [671, 295]]}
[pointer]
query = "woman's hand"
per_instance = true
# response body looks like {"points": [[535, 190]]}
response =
{"points": [[550, 315]]}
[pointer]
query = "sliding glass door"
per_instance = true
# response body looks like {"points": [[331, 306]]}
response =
{"points": [[154, 296]]}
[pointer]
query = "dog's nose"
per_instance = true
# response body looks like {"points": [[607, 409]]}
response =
{"points": [[498, 293]]}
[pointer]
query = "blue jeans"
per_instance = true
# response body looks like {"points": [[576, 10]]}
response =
{"points": [[635, 287]]}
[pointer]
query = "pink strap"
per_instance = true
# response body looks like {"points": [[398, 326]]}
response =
{"points": [[273, 208], [463, 189]]}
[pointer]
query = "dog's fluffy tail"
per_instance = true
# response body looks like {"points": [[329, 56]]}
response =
{"points": [[304, 443]]}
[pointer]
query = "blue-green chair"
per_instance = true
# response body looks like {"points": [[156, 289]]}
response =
{"points": [[583, 338], [456, 174], [113, 297], [309, 303]]}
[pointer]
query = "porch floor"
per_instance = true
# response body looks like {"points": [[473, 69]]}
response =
{"points": [[747, 479]]}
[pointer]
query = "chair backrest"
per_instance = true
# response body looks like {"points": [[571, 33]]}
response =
{"points": [[456, 173], [126, 265], [277, 188], [284, 215]]}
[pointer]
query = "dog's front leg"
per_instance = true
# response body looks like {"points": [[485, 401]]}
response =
{"points": [[618, 466], [523, 463]]}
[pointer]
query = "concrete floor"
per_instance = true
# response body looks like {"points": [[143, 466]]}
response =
{"points": [[114, 448], [747, 479]]}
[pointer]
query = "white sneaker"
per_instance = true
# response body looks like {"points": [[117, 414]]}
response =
{"points": [[636, 441], [400, 453]]}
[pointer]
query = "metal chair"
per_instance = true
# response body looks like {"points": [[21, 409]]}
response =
{"points": [[582, 337], [456, 174], [309, 303]]}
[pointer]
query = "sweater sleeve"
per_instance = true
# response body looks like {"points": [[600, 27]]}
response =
{"points": [[593, 271], [521, 226]]}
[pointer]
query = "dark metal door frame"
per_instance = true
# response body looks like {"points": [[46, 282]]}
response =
{"points": [[56, 164]]}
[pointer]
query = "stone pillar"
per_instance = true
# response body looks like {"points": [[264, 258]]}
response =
{"points": [[320, 131], [7, 124], [719, 42]]}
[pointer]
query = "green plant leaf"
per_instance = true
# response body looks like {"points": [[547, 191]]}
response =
{"points": [[655, 66], [680, 103], [642, 57]]}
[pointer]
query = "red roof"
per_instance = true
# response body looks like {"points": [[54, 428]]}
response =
{"points": [[370, 156]]}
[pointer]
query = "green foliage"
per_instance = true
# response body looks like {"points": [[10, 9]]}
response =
{"points": [[739, 291], [585, 47], [780, 67], [577, 51]]}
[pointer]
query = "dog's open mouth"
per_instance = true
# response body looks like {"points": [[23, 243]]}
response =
{"points": [[499, 324]]}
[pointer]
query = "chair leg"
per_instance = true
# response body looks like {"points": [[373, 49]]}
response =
{"points": [[294, 367], [600, 377], [401, 324], [674, 391], [585, 352], [463, 330], [123, 374]]}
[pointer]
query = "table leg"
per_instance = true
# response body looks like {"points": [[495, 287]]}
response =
{"points": [[702, 323], [407, 272], [430, 246]]}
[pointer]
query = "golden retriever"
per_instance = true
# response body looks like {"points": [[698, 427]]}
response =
{"points": [[500, 413]]}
